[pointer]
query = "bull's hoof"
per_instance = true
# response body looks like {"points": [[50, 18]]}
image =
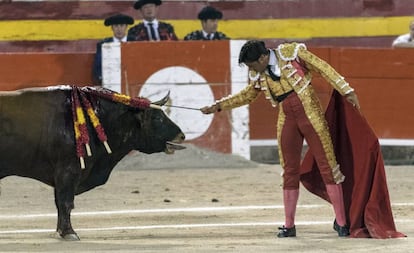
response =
{"points": [[70, 237]]}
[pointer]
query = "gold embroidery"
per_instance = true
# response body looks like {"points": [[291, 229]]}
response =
{"points": [[244, 97], [334, 78], [289, 51], [337, 174], [316, 116], [279, 127], [290, 78]]}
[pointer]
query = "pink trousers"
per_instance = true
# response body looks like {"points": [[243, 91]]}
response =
{"points": [[302, 118]]}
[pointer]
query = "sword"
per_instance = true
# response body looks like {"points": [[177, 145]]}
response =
{"points": [[175, 106]]}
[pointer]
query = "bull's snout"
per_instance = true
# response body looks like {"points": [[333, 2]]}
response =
{"points": [[172, 145], [180, 137]]}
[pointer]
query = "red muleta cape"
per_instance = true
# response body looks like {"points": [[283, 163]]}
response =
{"points": [[358, 152]]}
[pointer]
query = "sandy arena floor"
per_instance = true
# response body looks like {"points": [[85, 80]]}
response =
{"points": [[165, 207]]}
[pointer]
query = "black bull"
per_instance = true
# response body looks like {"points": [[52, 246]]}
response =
{"points": [[37, 141]]}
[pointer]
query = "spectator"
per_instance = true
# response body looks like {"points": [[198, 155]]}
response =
{"points": [[405, 40], [151, 28], [119, 24], [209, 17]]}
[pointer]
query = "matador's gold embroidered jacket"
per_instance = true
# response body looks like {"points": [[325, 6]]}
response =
{"points": [[296, 64]]}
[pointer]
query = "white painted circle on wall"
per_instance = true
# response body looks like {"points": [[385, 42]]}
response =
{"points": [[187, 88]]}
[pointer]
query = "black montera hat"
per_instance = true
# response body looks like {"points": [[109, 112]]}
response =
{"points": [[138, 4], [209, 12], [119, 19]]}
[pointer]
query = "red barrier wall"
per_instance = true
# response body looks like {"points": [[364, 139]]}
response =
{"points": [[22, 70], [383, 79], [210, 60]]}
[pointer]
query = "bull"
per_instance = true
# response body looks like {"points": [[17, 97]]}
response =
{"points": [[37, 140]]}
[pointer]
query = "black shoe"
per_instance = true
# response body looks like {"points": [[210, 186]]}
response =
{"points": [[286, 232], [342, 230]]}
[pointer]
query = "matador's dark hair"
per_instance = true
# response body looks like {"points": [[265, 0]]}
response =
{"points": [[252, 50]]}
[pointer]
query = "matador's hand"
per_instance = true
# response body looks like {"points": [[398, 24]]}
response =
{"points": [[353, 99], [211, 109]]}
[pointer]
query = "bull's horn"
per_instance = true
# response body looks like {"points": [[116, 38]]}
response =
{"points": [[163, 100]]}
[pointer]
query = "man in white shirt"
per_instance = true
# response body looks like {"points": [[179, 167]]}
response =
{"points": [[405, 40], [119, 24]]}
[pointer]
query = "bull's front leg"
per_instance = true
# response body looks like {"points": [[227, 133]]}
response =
{"points": [[64, 198]]}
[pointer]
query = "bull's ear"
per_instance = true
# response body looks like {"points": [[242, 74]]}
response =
{"points": [[163, 100]]}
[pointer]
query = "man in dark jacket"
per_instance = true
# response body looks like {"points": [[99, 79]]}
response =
{"points": [[209, 17], [151, 28], [119, 24]]}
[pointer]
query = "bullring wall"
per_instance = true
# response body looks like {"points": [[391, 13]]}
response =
{"points": [[382, 77], [354, 35]]}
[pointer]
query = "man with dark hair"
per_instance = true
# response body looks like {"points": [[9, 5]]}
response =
{"points": [[284, 76], [151, 28], [119, 24], [209, 17]]}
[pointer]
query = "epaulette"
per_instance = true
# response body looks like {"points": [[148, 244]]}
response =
{"points": [[289, 51]]}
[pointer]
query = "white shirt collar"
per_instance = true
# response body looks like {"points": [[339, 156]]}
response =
{"points": [[273, 63], [205, 35], [154, 22], [123, 39]]}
